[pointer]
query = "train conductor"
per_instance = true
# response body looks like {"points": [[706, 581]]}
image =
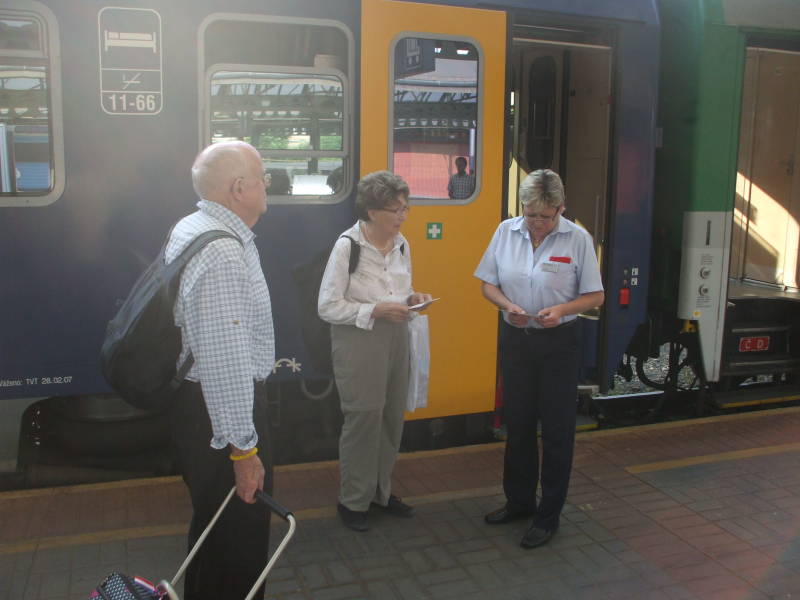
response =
{"points": [[541, 270]]}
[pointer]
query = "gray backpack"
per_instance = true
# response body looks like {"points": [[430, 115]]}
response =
{"points": [[142, 342]]}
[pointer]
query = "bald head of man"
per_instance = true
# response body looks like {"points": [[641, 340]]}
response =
{"points": [[232, 174]]}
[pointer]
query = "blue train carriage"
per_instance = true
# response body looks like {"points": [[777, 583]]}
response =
{"points": [[102, 108], [727, 194], [122, 97]]}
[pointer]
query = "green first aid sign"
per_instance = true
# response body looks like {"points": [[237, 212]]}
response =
{"points": [[434, 231]]}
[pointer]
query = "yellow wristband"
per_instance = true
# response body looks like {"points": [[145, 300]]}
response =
{"points": [[247, 454]]}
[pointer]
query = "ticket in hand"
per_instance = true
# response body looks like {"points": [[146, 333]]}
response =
{"points": [[422, 305]]}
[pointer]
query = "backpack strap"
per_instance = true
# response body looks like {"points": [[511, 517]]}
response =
{"points": [[355, 254], [202, 240], [197, 244]]}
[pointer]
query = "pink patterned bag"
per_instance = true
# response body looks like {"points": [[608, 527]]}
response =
{"points": [[118, 586]]}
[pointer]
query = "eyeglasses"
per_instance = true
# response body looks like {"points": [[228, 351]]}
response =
{"points": [[403, 210], [540, 217], [266, 177]]}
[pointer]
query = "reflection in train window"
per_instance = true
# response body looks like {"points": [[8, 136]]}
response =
{"points": [[26, 155], [294, 119], [435, 118], [292, 105]]}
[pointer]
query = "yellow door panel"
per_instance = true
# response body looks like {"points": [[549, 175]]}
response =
{"points": [[463, 325]]}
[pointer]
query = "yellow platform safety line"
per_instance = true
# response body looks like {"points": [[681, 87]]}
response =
{"points": [[324, 512], [600, 433], [638, 429], [94, 537], [137, 533], [763, 401], [665, 465]]}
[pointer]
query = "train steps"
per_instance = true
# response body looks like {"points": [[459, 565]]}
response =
{"points": [[757, 395]]}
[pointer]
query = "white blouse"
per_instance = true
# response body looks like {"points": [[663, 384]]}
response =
{"points": [[346, 299]]}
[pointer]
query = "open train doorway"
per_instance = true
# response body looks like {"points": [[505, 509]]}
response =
{"points": [[766, 236], [561, 93], [560, 98], [762, 329]]}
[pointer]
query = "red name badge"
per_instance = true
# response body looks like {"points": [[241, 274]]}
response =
{"points": [[561, 259]]}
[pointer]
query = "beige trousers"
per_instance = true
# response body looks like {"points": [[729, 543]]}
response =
{"points": [[371, 370]]}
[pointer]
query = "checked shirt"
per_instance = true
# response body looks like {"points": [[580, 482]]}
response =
{"points": [[224, 311]]}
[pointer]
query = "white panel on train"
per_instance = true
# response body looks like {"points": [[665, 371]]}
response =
{"points": [[131, 75]]}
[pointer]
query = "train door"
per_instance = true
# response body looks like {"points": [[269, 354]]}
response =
{"points": [[767, 235], [433, 81], [762, 324], [560, 96]]}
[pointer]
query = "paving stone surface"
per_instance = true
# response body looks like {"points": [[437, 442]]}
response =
{"points": [[697, 510]]}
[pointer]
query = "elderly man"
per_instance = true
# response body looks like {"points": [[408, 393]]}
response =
{"points": [[219, 415]]}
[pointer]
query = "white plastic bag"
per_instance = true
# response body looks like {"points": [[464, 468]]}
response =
{"points": [[420, 359]]}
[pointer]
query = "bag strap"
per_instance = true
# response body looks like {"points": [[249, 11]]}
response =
{"points": [[202, 240], [197, 244], [355, 254]]}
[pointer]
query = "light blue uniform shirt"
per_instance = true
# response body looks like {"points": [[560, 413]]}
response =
{"points": [[562, 268]]}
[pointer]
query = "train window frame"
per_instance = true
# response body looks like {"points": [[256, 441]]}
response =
{"points": [[444, 201], [348, 97], [50, 53]]}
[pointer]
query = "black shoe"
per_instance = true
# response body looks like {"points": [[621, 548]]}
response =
{"points": [[397, 507], [536, 537], [354, 519], [506, 515]]}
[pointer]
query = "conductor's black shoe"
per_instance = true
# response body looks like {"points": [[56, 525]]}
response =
{"points": [[536, 537], [397, 507], [354, 519], [507, 515]]}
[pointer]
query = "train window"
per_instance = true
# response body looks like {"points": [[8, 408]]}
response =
{"points": [[31, 165], [296, 120], [293, 106], [435, 118]]}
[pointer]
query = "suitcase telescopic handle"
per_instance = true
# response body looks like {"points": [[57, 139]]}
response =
{"points": [[273, 504]]}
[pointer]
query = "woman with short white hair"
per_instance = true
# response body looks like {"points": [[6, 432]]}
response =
{"points": [[541, 270]]}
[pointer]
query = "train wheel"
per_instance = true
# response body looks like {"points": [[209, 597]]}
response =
{"points": [[673, 370]]}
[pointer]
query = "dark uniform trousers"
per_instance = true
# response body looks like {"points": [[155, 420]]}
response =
{"points": [[540, 377], [235, 552]]}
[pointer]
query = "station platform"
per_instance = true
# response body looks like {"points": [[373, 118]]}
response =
{"points": [[701, 509]]}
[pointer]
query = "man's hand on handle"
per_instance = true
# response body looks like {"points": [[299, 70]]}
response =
{"points": [[248, 474]]}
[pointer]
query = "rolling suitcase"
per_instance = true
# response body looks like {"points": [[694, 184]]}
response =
{"points": [[118, 586]]}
